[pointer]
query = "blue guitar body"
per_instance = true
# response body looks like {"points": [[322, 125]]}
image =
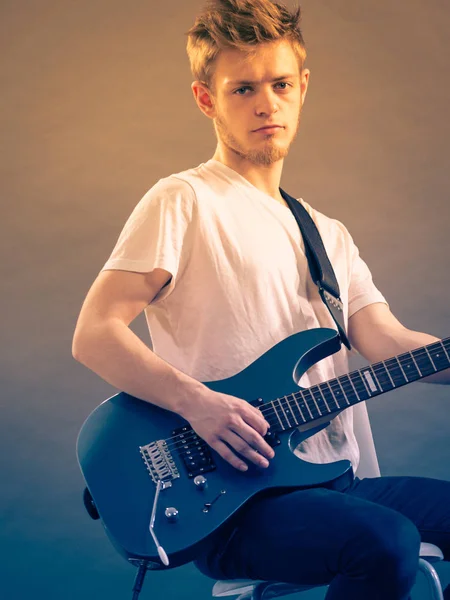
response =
{"points": [[122, 478]]}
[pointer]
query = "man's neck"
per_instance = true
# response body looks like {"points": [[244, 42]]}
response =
{"points": [[265, 179]]}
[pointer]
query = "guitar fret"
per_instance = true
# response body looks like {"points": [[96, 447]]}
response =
{"points": [[284, 413], [354, 389], [387, 371], [394, 370], [429, 356], [324, 399], [332, 393], [306, 402], [328, 393], [424, 362], [350, 392], [376, 378], [382, 377], [440, 360], [269, 410], [295, 406], [400, 365], [417, 366], [345, 395], [298, 406], [363, 379], [289, 409], [360, 385], [443, 347], [315, 401], [408, 363], [277, 415], [365, 388]]}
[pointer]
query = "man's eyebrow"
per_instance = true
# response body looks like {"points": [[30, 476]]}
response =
{"points": [[244, 82]]}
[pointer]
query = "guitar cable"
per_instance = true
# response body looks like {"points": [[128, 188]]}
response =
{"points": [[139, 579]]}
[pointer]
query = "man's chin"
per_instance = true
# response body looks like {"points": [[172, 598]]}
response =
{"points": [[266, 159]]}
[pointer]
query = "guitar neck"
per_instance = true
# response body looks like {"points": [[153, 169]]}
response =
{"points": [[330, 397]]}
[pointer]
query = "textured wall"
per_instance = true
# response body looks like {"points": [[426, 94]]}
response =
{"points": [[95, 108]]}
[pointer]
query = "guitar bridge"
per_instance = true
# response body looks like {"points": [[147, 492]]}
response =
{"points": [[159, 461]]}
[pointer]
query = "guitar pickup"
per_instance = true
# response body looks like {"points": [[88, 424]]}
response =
{"points": [[193, 452]]}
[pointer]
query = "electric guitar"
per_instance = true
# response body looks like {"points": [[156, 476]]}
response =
{"points": [[161, 491]]}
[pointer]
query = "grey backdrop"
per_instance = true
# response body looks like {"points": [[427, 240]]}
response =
{"points": [[96, 106]]}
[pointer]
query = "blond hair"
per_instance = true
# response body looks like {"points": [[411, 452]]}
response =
{"points": [[241, 25]]}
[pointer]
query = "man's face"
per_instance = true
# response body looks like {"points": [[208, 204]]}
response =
{"points": [[242, 108]]}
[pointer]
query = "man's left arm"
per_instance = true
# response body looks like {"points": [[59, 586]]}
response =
{"points": [[377, 335]]}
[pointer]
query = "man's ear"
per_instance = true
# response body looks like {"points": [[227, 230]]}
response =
{"points": [[204, 98], [304, 82]]}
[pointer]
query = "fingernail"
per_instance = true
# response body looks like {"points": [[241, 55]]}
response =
{"points": [[243, 467]]}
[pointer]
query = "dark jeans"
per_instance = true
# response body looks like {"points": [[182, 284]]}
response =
{"points": [[363, 541]]}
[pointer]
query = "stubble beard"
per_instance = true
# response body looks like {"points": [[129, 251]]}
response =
{"points": [[268, 154]]}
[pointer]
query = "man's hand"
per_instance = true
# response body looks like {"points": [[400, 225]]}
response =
{"points": [[221, 419]]}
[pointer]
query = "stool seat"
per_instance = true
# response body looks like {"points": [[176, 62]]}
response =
{"points": [[429, 552], [243, 587]]}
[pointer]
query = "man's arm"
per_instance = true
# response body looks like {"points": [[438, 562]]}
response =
{"points": [[377, 335], [104, 343]]}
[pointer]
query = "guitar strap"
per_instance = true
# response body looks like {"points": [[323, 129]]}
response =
{"points": [[319, 265]]}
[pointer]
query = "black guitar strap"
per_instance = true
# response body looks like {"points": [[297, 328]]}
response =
{"points": [[319, 265]]}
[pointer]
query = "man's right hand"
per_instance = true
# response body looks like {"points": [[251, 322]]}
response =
{"points": [[225, 423]]}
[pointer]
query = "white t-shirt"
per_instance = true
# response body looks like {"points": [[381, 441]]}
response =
{"points": [[240, 282]]}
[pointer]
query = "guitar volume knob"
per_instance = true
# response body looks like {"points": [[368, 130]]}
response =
{"points": [[172, 514], [200, 482]]}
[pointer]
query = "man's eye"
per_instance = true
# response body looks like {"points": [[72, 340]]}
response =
{"points": [[247, 87], [240, 89]]}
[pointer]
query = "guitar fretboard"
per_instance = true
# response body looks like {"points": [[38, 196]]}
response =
{"points": [[337, 394]]}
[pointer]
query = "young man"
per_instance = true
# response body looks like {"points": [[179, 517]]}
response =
{"points": [[215, 258]]}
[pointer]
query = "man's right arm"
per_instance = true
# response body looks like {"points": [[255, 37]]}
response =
{"points": [[104, 343]]}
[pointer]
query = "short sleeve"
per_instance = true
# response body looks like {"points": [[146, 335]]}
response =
{"points": [[361, 290], [156, 233]]}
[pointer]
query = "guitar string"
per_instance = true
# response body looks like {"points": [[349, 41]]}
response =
{"points": [[320, 403], [265, 409], [287, 415]]}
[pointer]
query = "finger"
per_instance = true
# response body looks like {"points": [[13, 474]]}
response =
{"points": [[241, 446], [256, 420], [227, 454], [249, 443]]}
